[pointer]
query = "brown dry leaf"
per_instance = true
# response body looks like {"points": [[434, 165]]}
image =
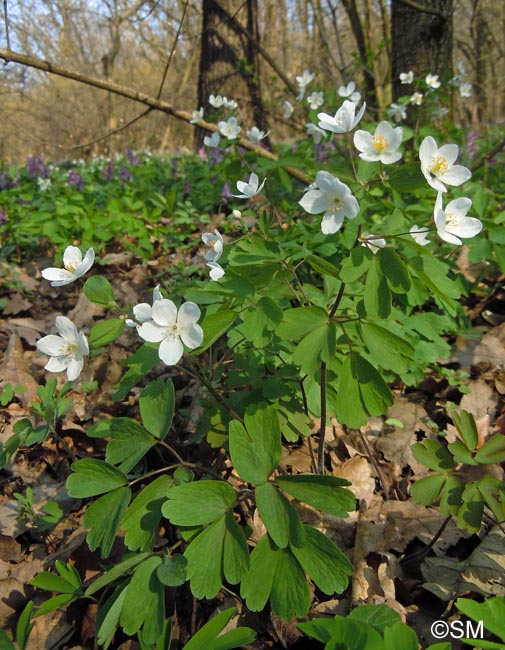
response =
{"points": [[10, 550], [17, 303], [483, 572], [481, 401], [357, 470], [14, 369], [51, 631], [490, 350], [12, 597]]}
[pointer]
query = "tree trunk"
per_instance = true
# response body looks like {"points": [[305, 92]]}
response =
{"points": [[421, 34]]}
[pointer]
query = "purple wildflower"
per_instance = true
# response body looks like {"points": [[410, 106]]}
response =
{"points": [[471, 144], [36, 168], [226, 192], [3, 216], [125, 174], [108, 172], [132, 158], [76, 180]]}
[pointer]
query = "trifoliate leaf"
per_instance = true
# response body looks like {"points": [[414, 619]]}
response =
{"points": [[103, 517], [257, 582], [205, 560], [298, 322], [197, 504], [290, 594], [130, 442], [144, 514], [324, 492], [92, 476], [144, 603]]}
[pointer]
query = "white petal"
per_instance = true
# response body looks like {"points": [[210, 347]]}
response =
{"points": [[86, 263], [449, 152], [456, 175], [164, 312], [459, 206], [192, 335], [467, 227], [51, 345], [72, 256], [66, 329], [59, 277], [359, 115], [216, 271], [143, 312], [171, 350], [189, 313], [151, 332], [427, 150], [310, 202], [387, 158], [57, 364], [157, 295], [74, 369], [362, 140], [331, 223]]}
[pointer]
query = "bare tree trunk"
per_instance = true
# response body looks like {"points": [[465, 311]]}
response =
{"points": [[421, 34]]}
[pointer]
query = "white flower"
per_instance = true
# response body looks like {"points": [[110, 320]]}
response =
{"points": [[381, 146], [432, 81], [372, 242], [230, 129], [288, 109], [215, 243], [332, 197], [229, 103], [407, 77], [216, 271], [66, 350], [419, 235], [143, 312], [350, 92], [250, 189], [315, 100], [303, 81], [461, 68], [438, 165], [465, 89], [196, 116], [452, 223], [344, 119], [397, 112], [171, 328], [417, 99], [212, 141], [216, 101], [43, 183], [314, 131], [254, 135], [74, 267]]}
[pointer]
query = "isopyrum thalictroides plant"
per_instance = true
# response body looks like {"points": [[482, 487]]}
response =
{"points": [[303, 318]]}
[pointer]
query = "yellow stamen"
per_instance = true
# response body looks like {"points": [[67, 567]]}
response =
{"points": [[380, 143], [439, 165]]}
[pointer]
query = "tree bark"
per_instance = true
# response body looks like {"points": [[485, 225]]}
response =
{"points": [[421, 35]]}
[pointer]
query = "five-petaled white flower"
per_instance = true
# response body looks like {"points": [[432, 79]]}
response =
{"points": [[397, 112], [254, 135], [212, 141], [196, 116], [407, 77], [465, 89], [250, 189], [214, 241], [315, 132], [344, 119], [216, 101], [438, 165], [171, 328], [332, 197], [303, 81], [230, 129], [419, 235], [229, 103], [432, 81], [287, 108], [452, 223], [417, 99], [315, 100], [66, 350], [350, 92], [74, 266], [381, 146], [143, 312]]}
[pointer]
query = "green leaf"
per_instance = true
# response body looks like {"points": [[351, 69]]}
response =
{"points": [[260, 322], [357, 264], [322, 266], [130, 442], [467, 429], [157, 402], [298, 322], [433, 455], [5, 642], [377, 294], [491, 612], [400, 637], [139, 365], [280, 518], [23, 627], [323, 561], [118, 571], [470, 513], [99, 290], [395, 270], [324, 492], [407, 178], [209, 636], [172, 570], [450, 500], [102, 518], [196, 504], [389, 350], [235, 552], [493, 493], [256, 449], [427, 490], [493, 450], [144, 603], [215, 326], [461, 453], [108, 616], [290, 594], [206, 576], [144, 514], [378, 616], [257, 582], [92, 476], [105, 332]]}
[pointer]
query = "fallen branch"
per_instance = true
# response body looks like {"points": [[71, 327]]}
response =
{"points": [[136, 96]]}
